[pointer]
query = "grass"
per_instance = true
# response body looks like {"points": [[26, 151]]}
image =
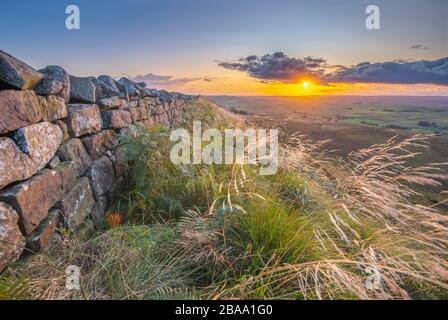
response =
{"points": [[312, 231]]}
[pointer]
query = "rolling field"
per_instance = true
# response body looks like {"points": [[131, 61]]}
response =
{"points": [[353, 123]]}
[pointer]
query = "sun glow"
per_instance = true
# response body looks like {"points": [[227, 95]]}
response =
{"points": [[305, 84]]}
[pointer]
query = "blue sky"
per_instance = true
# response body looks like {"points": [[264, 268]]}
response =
{"points": [[186, 38]]}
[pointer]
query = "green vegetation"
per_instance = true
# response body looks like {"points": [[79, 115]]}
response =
{"points": [[309, 232]]}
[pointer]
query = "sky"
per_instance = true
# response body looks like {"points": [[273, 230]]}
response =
{"points": [[240, 47]]}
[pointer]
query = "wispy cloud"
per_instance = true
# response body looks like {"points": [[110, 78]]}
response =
{"points": [[282, 68], [155, 80], [419, 47]]}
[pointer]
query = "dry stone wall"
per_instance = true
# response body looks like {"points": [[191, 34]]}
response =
{"points": [[60, 162]]}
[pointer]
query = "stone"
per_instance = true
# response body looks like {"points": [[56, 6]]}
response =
{"points": [[132, 104], [54, 162], [124, 95], [18, 109], [144, 113], [108, 81], [34, 197], [56, 81], [145, 103], [42, 235], [83, 119], [131, 87], [14, 164], [154, 92], [53, 108], [157, 109], [134, 114], [114, 190], [124, 104], [82, 89], [147, 123], [131, 132], [142, 84], [118, 158], [115, 119], [55, 244], [110, 103], [67, 172], [97, 214], [73, 150], [103, 90], [11, 239], [64, 128], [101, 176], [85, 230], [16, 73], [39, 141], [162, 119], [146, 92], [138, 113], [97, 144], [77, 204]]}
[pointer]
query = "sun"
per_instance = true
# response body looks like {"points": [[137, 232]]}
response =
{"points": [[305, 84]]}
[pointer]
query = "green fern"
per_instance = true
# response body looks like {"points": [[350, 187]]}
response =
{"points": [[12, 288]]}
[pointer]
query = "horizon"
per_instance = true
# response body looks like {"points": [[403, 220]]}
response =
{"points": [[336, 96], [297, 49]]}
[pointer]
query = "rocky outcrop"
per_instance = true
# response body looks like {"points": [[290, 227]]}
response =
{"points": [[16, 73], [61, 165]]}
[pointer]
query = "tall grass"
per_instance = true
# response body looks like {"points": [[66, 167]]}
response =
{"points": [[315, 230]]}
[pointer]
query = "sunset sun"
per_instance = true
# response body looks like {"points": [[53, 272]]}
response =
{"points": [[305, 84]]}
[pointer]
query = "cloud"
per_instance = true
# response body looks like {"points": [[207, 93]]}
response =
{"points": [[430, 72], [419, 46], [279, 67], [155, 80]]}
